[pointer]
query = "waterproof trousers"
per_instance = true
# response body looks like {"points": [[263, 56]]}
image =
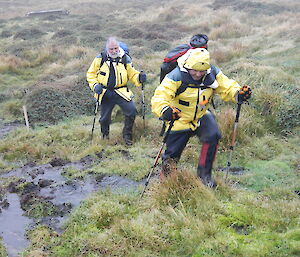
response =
{"points": [[208, 134], [109, 100]]}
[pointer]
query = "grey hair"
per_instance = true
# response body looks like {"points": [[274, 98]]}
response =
{"points": [[109, 40]]}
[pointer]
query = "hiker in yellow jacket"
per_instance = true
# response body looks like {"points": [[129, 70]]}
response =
{"points": [[184, 96], [108, 76]]}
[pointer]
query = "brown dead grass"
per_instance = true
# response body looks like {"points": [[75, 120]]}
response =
{"points": [[12, 63]]}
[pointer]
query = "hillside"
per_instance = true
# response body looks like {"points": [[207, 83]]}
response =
{"points": [[53, 173]]}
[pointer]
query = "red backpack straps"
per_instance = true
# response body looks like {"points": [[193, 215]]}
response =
{"points": [[176, 52]]}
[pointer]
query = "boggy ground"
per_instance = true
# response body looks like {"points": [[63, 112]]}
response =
{"points": [[45, 194]]}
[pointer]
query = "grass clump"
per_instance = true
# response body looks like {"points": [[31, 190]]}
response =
{"points": [[58, 103], [50, 101], [29, 34]]}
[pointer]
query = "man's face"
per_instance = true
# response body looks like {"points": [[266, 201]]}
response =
{"points": [[113, 49], [197, 74]]}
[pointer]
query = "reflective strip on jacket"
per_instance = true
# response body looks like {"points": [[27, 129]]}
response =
{"points": [[96, 75], [193, 102]]}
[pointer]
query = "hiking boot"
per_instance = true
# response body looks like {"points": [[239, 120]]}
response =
{"points": [[127, 130], [128, 140], [168, 166], [104, 131], [105, 136], [205, 175]]}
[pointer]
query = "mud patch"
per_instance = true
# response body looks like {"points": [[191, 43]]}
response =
{"points": [[232, 170], [40, 194]]}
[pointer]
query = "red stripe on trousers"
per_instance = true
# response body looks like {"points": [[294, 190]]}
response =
{"points": [[203, 154]]}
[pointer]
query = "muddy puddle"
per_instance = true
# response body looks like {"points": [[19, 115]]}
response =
{"points": [[12, 226], [238, 171], [32, 186]]}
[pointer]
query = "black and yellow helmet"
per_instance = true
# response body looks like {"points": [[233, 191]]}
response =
{"points": [[197, 59]]}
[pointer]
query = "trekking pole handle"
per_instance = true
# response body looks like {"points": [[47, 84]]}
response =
{"points": [[169, 130], [142, 72], [237, 116]]}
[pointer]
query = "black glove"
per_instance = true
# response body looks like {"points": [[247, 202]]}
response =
{"points": [[98, 88], [142, 77], [171, 114], [244, 94]]}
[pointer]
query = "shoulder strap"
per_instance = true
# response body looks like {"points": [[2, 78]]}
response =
{"points": [[124, 60], [181, 89], [103, 59], [184, 86]]}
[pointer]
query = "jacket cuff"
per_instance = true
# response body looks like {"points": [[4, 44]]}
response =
{"points": [[164, 109]]}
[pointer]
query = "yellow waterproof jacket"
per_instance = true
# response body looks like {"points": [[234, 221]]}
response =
{"points": [[194, 100], [97, 74]]}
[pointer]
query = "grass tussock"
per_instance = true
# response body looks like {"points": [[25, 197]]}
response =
{"points": [[231, 30], [12, 63], [247, 127], [180, 186], [227, 53]]}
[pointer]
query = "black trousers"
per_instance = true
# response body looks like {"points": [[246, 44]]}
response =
{"points": [[208, 133], [109, 100]]}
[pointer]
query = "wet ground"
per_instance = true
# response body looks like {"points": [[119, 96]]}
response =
{"points": [[5, 128], [45, 194], [42, 195]]}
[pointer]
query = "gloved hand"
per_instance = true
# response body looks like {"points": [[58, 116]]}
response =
{"points": [[98, 89], [142, 77], [244, 94], [171, 113]]}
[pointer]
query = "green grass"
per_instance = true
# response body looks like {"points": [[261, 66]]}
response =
{"points": [[256, 214], [180, 217], [3, 252]]}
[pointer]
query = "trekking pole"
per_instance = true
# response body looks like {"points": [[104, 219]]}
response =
{"points": [[96, 110], [239, 105], [143, 103], [158, 156]]}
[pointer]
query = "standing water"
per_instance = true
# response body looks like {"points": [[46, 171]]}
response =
{"points": [[13, 225], [47, 184]]}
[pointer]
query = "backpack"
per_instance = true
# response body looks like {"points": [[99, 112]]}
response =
{"points": [[124, 58], [170, 60], [176, 52]]}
